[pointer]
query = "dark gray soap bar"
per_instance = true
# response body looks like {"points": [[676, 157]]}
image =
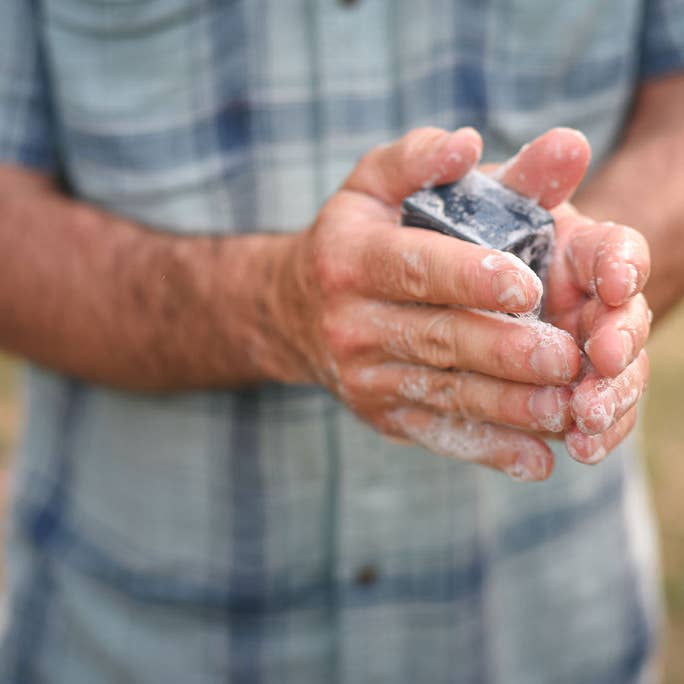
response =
{"points": [[479, 209]]}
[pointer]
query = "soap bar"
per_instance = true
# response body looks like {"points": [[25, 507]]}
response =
{"points": [[479, 209]]}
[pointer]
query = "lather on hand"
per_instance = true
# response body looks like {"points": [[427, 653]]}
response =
{"points": [[383, 316]]}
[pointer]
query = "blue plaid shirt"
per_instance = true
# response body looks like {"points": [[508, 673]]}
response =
{"points": [[267, 536]]}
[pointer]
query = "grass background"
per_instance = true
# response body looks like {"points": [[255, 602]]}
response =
{"points": [[664, 439]]}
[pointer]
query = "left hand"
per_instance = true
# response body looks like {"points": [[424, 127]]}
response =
{"points": [[593, 291]]}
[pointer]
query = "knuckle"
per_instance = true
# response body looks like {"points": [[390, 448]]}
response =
{"points": [[474, 280], [444, 394], [413, 275], [503, 353], [341, 339], [330, 276], [505, 410], [439, 341], [358, 382], [329, 327], [368, 162], [369, 167]]}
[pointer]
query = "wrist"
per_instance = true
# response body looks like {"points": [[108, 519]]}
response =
{"points": [[267, 292]]}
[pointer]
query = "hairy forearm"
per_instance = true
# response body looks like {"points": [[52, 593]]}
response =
{"points": [[107, 300], [641, 185]]}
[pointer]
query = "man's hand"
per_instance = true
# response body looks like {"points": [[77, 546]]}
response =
{"points": [[593, 291], [383, 316], [387, 317]]}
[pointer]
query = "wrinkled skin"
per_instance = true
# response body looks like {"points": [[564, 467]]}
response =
{"points": [[386, 316]]}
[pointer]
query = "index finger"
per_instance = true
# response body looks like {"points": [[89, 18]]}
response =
{"points": [[415, 265]]}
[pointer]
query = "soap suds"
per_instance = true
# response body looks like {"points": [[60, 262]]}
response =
{"points": [[474, 442], [512, 295], [414, 388], [438, 176], [548, 336], [499, 260], [368, 375], [597, 410]]}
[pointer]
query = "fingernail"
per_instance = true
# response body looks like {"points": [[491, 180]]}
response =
{"points": [[594, 417], [627, 347], [528, 467], [598, 455], [511, 291], [548, 406], [591, 445], [627, 277], [550, 363]]}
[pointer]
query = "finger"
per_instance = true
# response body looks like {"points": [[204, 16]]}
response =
{"points": [[522, 350], [591, 449], [520, 455], [614, 337], [411, 264], [470, 396], [550, 168], [423, 157], [607, 260], [598, 403]]}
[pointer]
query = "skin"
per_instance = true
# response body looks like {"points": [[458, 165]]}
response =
{"points": [[473, 367], [641, 185], [354, 303]]}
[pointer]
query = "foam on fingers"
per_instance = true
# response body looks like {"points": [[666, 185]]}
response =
{"points": [[592, 449], [521, 456]]}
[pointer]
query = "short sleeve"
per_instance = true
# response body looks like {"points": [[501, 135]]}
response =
{"points": [[25, 111], [662, 38]]}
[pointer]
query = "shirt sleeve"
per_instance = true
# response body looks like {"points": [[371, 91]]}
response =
{"points": [[26, 136], [662, 38]]}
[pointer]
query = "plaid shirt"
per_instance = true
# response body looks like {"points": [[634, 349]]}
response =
{"points": [[267, 536]]}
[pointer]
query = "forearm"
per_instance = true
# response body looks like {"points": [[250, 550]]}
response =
{"points": [[107, 300], [641, 186]]}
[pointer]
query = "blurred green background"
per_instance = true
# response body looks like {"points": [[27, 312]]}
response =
{"points": [[663, 435]]}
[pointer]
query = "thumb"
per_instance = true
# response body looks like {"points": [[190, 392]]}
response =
{"points": [[550, 168], [422, 158]]}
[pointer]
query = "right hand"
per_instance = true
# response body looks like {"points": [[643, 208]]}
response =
{"points": [[381, 316]]}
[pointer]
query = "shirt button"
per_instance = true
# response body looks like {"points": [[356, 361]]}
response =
{"points": [[366, 575]]}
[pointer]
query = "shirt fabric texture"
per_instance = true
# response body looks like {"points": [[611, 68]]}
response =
{"points": [[267, 535]]}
